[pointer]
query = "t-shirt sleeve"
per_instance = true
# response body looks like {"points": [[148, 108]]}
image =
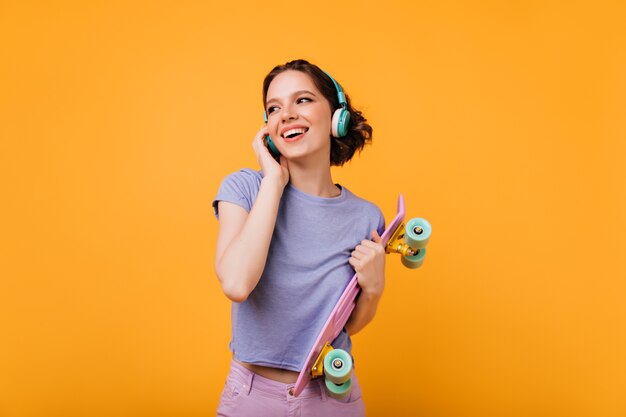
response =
{"points": [[381, 223], [239, 188]]}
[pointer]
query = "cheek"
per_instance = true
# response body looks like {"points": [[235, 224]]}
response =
{"points": [[272, 125], [323, 120]]}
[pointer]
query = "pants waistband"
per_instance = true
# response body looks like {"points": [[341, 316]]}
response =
{"points": [[268, 386]]}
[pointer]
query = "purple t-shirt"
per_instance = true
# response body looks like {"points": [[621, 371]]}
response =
{"points": [[305, 273]]}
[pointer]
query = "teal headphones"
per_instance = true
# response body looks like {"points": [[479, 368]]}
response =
{"points": [[341, 117], [339, 124]]}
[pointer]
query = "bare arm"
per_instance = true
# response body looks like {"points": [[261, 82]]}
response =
{"points": [[244, 238], [363, 313], [243, 241]]}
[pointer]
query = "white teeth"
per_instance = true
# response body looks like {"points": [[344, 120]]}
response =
{"points": [[292, 131]]}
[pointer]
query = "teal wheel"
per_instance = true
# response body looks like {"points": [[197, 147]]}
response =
{"points": [[338, 366], [338, 391], [414, 261], [417, 233]]}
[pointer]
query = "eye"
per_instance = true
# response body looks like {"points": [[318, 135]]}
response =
{"points": [[303, 98], [270, 109]]}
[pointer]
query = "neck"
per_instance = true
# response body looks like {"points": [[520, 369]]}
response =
{"points": [[313, 179]]}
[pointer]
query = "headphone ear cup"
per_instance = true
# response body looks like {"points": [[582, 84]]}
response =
{"points": [[272, 148], [341, 119]]}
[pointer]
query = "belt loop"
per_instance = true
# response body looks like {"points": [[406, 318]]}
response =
{"points": [[248, 385]]}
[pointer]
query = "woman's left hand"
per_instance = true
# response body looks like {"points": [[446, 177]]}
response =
{"points": [[368, 260]]}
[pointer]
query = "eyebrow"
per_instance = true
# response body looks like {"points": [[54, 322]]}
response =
{"points": [[294, 94]]}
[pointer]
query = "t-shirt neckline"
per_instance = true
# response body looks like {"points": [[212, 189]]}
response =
{"points": [[327, 200]]}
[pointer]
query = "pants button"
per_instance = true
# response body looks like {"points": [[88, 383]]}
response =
{"points": [[291, 391]]}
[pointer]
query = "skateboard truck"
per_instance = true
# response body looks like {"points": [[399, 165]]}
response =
{"points": [[396, 245], [336, 366], [318, 366]]}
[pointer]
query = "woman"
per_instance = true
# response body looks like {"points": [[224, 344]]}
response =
{"points": [[289, 242]]}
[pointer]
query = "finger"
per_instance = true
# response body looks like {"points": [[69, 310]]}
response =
{"points": [[369, 247], [356, 264], [259, 133], [258, 137], [373, 246], [255, 145], [259, 148], [376, 247], [376, 237], [262, 132], [365, 253], [357, 255], [260, 145]]}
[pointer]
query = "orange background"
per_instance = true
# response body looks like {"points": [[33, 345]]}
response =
{"points": [[501, 122]]}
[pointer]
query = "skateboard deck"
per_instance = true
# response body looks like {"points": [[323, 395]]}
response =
{"points": [[342, 311]]}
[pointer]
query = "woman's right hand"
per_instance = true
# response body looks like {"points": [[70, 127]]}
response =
{"points": [[271, 169]]}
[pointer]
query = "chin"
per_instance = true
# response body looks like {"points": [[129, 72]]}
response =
{"points": [[311, 147], [308, 154]]}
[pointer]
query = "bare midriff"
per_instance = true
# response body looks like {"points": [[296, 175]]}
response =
{"points": [[275, 374]]}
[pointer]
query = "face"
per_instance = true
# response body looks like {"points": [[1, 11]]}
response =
{"points": [[298, 116]]}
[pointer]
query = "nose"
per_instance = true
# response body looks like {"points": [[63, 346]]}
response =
{"points": [[288, 113]]}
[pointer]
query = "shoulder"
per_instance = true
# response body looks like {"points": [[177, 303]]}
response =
{"points": [[240, 187], [361, 202], [364, 206], [244, 176], [370, 215], [246, 180]]}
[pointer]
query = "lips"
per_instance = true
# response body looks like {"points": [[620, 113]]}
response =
{"points": [[294, 135], [286, 130]]}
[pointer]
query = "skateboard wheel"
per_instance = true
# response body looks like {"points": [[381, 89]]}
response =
{"points": [[414, 261], [417, 233], [338, 366], [338, 391]]}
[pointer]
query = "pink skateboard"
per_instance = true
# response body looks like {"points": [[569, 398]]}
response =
{"points": [[336, 364]]}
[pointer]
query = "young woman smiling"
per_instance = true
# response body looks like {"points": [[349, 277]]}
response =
{"points": [[289, 241]]}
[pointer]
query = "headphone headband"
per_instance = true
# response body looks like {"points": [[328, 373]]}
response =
{"points": [[340, 94], [341, 116]]}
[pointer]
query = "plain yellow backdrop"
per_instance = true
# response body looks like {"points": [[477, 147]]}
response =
{"points": [[501, 122]]}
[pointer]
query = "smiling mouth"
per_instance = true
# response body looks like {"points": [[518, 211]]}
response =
{"points": [[294, 134]]}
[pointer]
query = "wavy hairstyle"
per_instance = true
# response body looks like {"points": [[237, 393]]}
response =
{"points": [[359, 132]]}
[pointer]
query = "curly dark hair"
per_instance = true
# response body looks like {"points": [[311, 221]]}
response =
{"points": [[359, 133]]}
